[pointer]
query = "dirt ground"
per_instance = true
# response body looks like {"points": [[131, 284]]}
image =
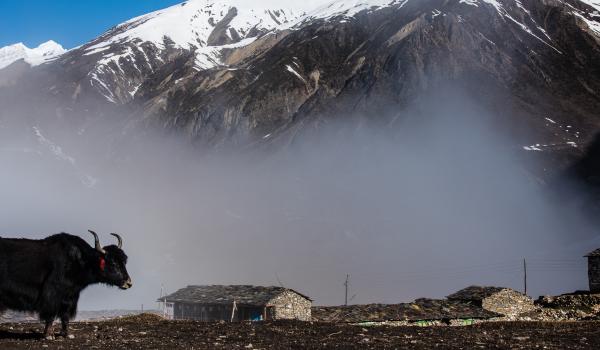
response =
{"points": [[151, 332]]}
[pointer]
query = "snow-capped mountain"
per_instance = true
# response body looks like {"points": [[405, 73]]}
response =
{"points": [[204, 27], [219, 71], [209, 29], [41, 54]]}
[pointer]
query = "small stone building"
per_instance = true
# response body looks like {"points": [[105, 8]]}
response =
{"points": [[594, 270], [237, 303], [504, 301]]}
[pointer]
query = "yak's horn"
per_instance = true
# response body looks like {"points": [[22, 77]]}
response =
{"points": [[97, 242], [119, 239]]}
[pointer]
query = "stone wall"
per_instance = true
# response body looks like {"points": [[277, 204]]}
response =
{"points": [[594, 273], [202, 312], [571, 301], [509, 303], [290, 305]]}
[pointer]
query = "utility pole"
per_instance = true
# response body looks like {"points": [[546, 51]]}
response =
{"points": [[278, 280], [162, 307], [160, 298], [346, 284], [525, 276], [233, 308]]}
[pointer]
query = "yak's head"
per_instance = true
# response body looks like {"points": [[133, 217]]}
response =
{"points": [[110, 264]]}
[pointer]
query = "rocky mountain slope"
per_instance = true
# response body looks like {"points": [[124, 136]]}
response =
{"points": [[220, 73]]}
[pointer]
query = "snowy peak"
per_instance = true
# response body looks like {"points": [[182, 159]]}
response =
{"points": [[349, 8], [50, 48], [199, 23], [36, 56]]}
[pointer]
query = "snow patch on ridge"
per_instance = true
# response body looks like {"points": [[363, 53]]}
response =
{"points": [[591, 19], [86, 179], [505, 14], [593, 3], [349, 8], [56, 150], [291, 70]]}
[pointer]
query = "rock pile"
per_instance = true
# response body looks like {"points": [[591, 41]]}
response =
{"points": [[509, 303], [567, 307], [582, 301], [422, 312], [505, 301]]}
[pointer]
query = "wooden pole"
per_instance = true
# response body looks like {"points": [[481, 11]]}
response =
{"points": [[525, 276], [233, 310], [346, 285]]}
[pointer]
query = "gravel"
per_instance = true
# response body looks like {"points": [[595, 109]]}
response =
{"points": [[152, 332]]}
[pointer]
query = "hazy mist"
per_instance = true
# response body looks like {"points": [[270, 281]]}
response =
{"points": [[431, 203]]}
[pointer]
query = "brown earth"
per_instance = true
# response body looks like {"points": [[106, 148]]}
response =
{"points": [[151, 332]]}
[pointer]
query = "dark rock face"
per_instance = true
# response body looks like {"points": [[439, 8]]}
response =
{"points": [[584, 176], [588, 168], [219, 35]]}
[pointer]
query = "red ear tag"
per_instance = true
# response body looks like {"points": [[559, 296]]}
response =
{"points": [[102, 264]]}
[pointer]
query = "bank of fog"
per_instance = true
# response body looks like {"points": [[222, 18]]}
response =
{"points": [[431, 204]]}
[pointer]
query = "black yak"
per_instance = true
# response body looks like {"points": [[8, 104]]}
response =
{"points": [[46, 276]]}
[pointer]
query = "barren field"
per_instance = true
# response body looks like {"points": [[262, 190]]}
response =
{"points": [[150, 332]]}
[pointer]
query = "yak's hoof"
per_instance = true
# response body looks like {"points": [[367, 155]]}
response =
{"points": [[66, 335]]}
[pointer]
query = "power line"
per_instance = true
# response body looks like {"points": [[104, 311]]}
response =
{"points": [[506, 267]]}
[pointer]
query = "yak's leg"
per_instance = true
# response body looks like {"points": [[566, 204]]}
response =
{"points": [[64, 330], [68, 312], [48, 331]]}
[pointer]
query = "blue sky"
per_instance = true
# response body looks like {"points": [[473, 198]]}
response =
{"points": [[68, 22]]}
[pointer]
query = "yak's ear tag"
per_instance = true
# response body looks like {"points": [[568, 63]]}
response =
{"points": [[102, 263]]}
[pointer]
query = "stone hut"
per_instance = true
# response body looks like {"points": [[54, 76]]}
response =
{"points": [[594, 270], [236, 303], [504, 301]]}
